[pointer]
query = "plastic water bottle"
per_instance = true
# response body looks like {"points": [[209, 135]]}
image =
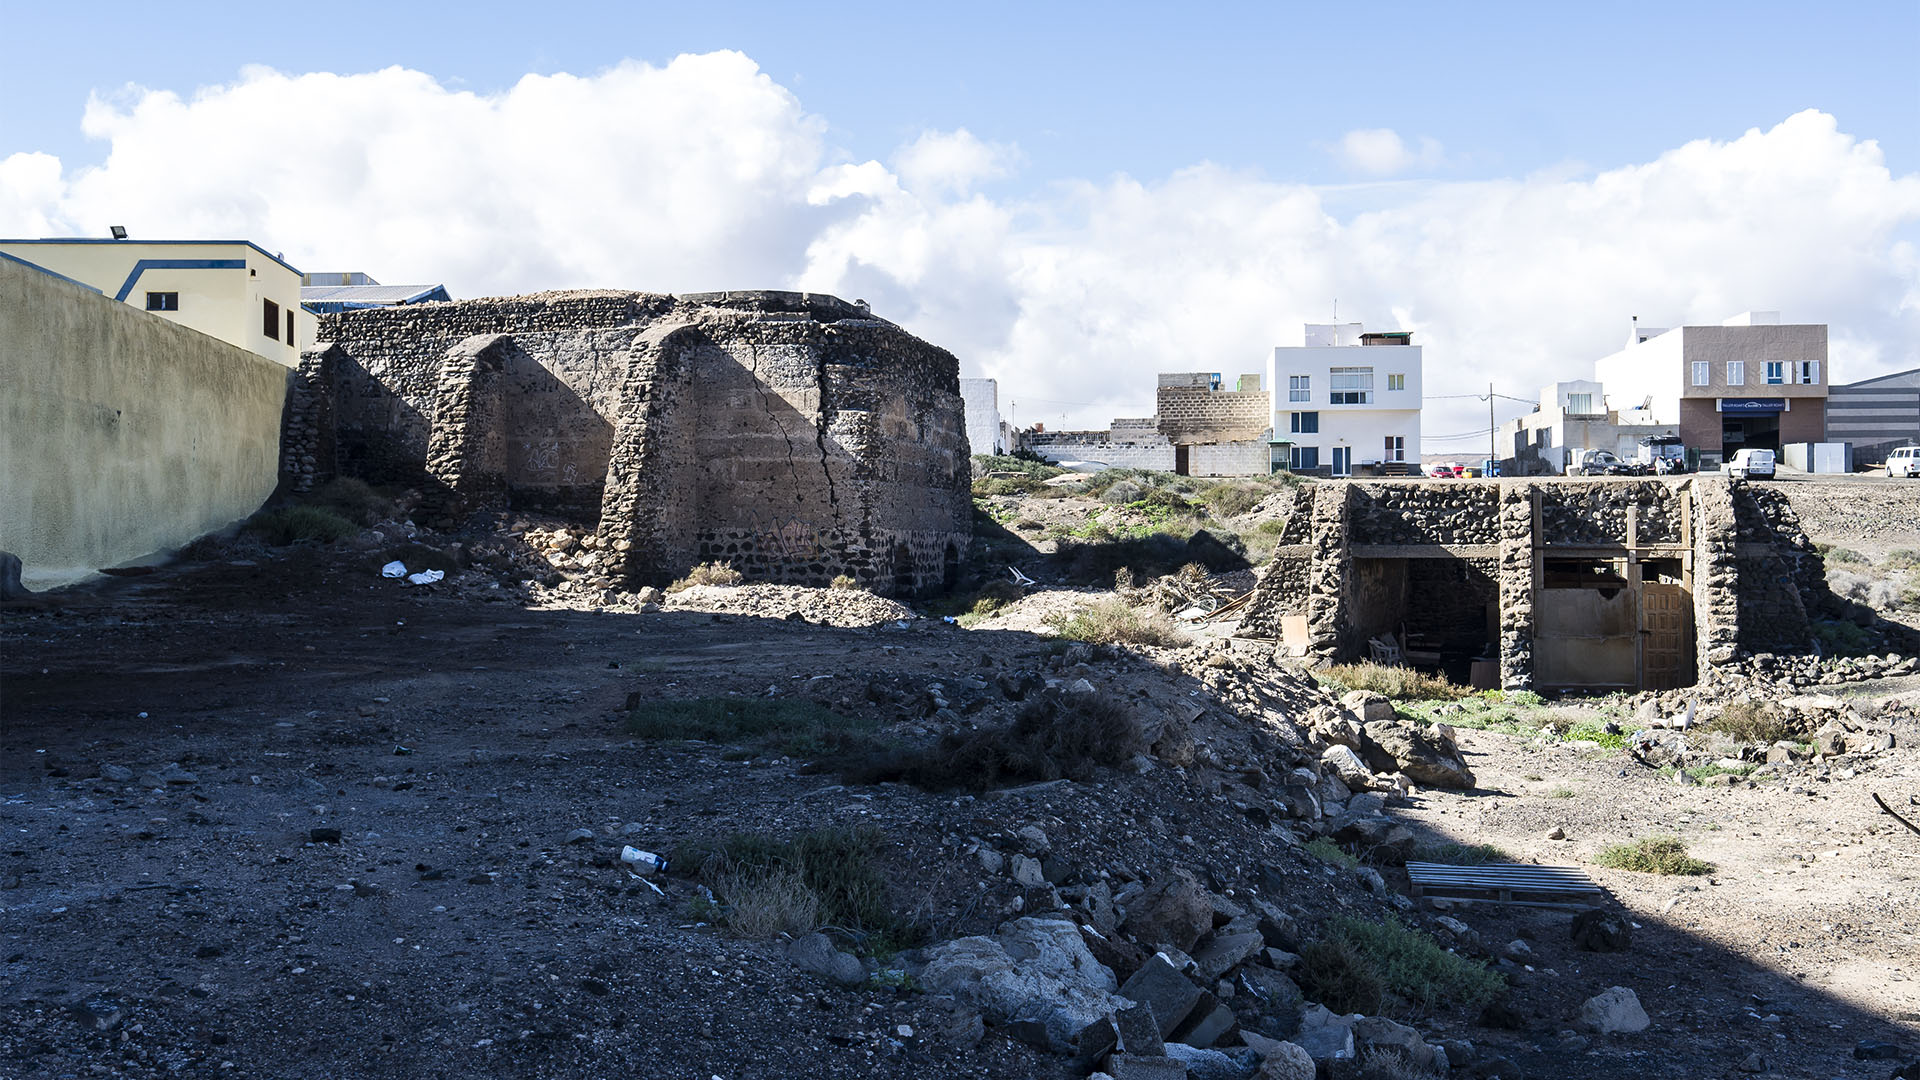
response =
{"points": [[645, 862]]}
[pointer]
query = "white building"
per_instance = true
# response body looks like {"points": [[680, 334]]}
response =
{"points": [[233, 290], [981, 399], [1347, 401], [1573, 417]]}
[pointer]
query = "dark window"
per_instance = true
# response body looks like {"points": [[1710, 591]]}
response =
{"points": [[1306, 423], [289, 326], [1304, 458], [270, 319], [163, 301]]}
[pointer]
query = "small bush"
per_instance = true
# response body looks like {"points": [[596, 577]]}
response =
{"points": [[844, 583], [793, 726], [1755, 722], [1026, 462], [1652, 855], [1834, 554], [1112, 621], [1361, 965], [1008, 485], [351, 499], [1327, 851], [1050, 738], [1589, 731], [1460, 854], [826, 877], [1904, 559], [1391, 1065], [713, 573], [1121, 493], [1398, 683], [1231, 500], [298, 524]]}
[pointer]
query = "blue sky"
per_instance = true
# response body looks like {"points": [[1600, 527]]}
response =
{"points": [[1069, 196]]}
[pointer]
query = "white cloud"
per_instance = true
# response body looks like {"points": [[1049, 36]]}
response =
{"points": [[1382, 152], [704, 173]]}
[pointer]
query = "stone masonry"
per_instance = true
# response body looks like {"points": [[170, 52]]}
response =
{"points": [[792, 435], [1719, 567]]}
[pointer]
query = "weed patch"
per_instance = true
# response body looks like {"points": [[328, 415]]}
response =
{"points": [[793, 726], [1329, 852], [1112, 621], [1360, 965], [1460, 854], [351, 499], [1398, 683], [713, 573], [824, 878], [301, 524], [1050, 738], [1652, 855], [1834, 554], [1592, 732], [1754, 722]]}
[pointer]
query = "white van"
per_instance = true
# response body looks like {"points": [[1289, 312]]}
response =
{"points": [[1750, 464], [1904, 461]]}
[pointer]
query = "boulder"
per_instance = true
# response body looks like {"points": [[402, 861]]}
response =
{"points": [[1212, 1064], [1137, 1067], [1370, 707], [1617, 1009], [1224, 951], [1326, 1035], [1375, 836], [1429, 757], [1373, 1034], [1285, 1061], [816, 955], [1596, 930], [1036, 978], [1160, 986], [1347, 767], [1175, 911]]}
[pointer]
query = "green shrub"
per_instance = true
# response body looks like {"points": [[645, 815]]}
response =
{"points": [[1113, 621], [1460, 854], [1838, 638], [1363, 965], [1834, 554], [1030, 463], [1231, 500], [713, 573], [1327, 851], [1050, 738], [1904, 559], [793, 726], [1652, 855], [1398, 683], [1590, 731], [299, 524], [826, 877]]}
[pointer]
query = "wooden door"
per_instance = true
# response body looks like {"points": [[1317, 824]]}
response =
{"points": [[1666, 637], [1180, 460]]}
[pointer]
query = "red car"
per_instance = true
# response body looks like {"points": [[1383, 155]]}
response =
{"points": [[1442, 472]]}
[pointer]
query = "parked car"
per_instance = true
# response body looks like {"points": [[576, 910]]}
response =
{"points": [[1441, 472], [1600, 463], [1750, 464], [1904, 461]]}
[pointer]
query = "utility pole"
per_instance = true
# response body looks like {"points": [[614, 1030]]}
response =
{"points": [[1493, 442]]}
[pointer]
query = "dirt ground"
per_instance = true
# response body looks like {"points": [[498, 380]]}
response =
{"points": [[185, 919]]}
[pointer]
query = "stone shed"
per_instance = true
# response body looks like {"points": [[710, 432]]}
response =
{"points": [[793, 435], [1552, 585]]}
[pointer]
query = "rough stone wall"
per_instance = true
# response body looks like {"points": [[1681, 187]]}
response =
{"points": [[1200, 414], [1516, 573], [1283, 589], [1781, 577], [792, 435], [1425, 514]]}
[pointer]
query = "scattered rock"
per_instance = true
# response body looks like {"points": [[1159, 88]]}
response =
{"points": [[1134, 1067], [1427, 757], [1210, 1064], [1175, 911], [118, 774], [1754, 1063], [1035, 977], [1169, 994], [1285, 1061], [1326, 1035], [580, 836], [1373, 1034], [1027, 872], [1369, 706], [324, 834], [1346, 766], [1875, 1050], [1224, 952], [1617, 1009]]}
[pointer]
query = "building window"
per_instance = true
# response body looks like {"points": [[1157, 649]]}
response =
{"points": [[1736, 373], [1299, 388], [1396, 448], [1776, 372], [1306, 423], [1580, 404], [270, 319], [1806, 372], [1701, 376], [163, 301], [289, 326], [1396, 382], [1304, 458], [1351, 386]]}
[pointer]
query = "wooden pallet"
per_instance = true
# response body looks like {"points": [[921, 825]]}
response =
{"points": [[1519, 884]]}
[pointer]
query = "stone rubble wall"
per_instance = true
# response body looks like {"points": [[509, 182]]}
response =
{"points": [[1199, 414], [1420, 513], [792, 435], [1515, 575]]}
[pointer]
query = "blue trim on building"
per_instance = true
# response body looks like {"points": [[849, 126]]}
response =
{"points": [[145, 265], [49, 273], [97, 240]]}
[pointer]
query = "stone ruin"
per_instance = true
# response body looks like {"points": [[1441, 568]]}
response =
{"points": [[795, 436], [1550, 585]]}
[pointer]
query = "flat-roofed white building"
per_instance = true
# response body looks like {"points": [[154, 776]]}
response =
{"points": [[1346, 401], [233, 290]]}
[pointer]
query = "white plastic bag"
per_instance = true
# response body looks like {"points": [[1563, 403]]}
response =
{"points": [[395, 569], [425, 577]]}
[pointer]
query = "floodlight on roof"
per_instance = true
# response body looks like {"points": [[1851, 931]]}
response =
{"points": [[119, 231]]}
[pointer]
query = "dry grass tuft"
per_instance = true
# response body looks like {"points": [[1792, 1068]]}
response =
{"points": [[1050, 738], [1112, 621], [713, 573], [1653, 855], [1398, 683]]}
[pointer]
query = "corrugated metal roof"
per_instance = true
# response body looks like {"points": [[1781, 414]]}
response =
{"points": [[364, 294]]}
